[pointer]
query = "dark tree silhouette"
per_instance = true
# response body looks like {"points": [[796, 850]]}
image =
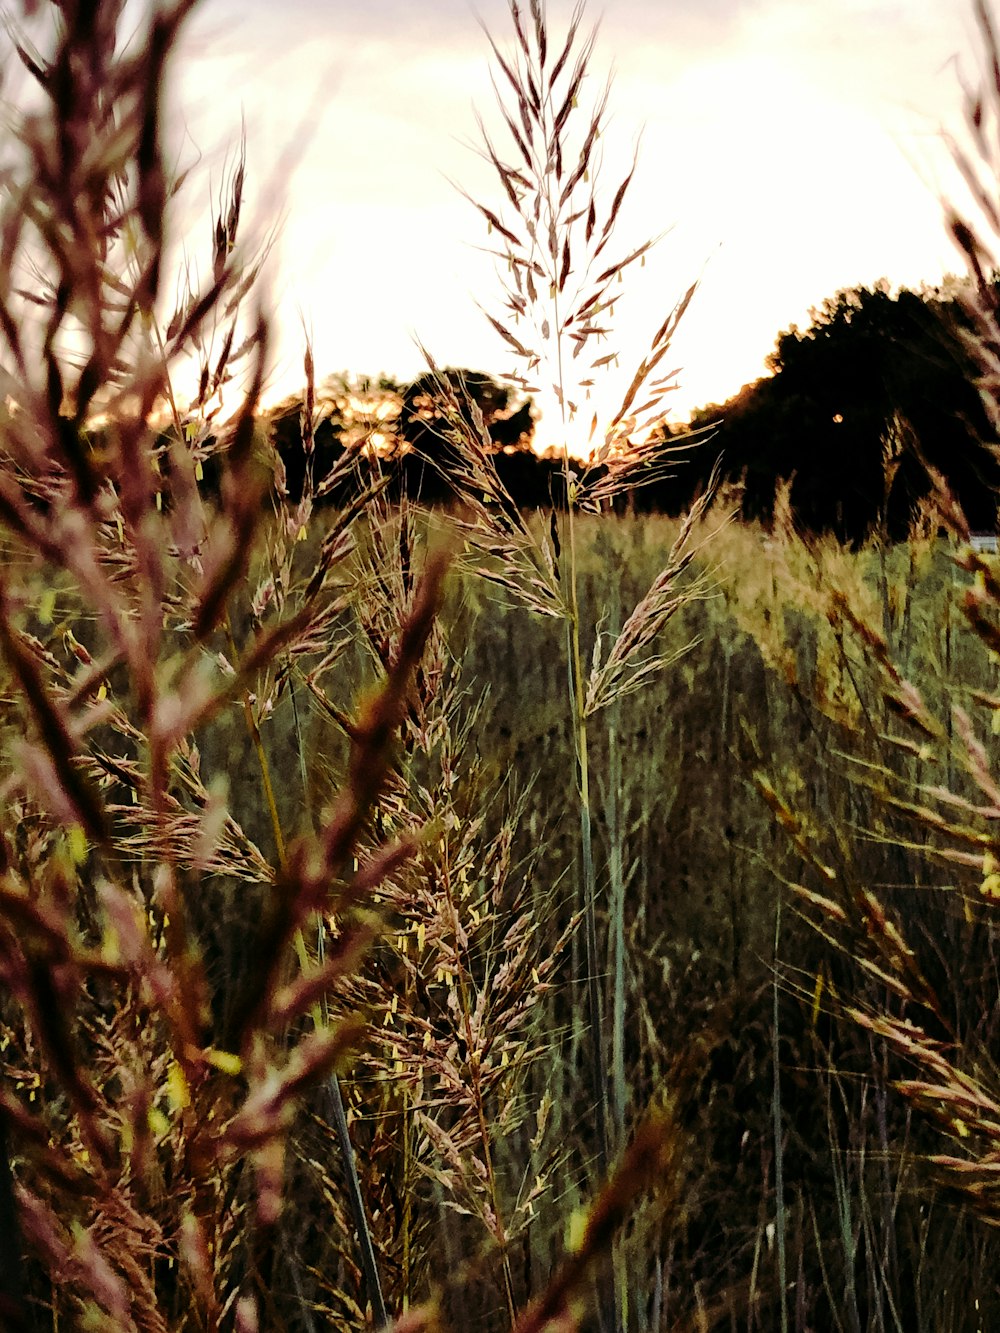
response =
{"points": [[422, 425], [409, 424], [286, 434], [422, 422], [877, 384], [350, 413], [877, 387]]}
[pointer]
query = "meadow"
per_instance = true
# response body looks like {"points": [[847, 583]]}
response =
{"points": [[467, 919], [772, 715]]}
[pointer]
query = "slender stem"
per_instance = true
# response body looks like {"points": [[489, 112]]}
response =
{"points": [[615, 1297], [581, 745], [779, 1157], [320, 1014], [254, 732], [369, 1264], [598, 1062], [616, 877], [407, 1199], [335, 1100]]}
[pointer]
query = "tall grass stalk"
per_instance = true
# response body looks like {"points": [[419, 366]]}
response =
{"points": [[553, 231], [150, 1178], [614, 817], [780, 1218], [553, 228], [950, 796], [282, 562], [613, 799], [458, 982]]}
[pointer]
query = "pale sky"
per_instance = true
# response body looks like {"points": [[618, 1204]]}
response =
{"points": [[788, 147]]}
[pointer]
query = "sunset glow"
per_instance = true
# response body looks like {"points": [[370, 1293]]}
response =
{"points": [[788, 149]]}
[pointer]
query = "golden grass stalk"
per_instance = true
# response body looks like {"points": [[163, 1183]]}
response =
{"points": [[457, 992], [150, 1175], [553, 231]]}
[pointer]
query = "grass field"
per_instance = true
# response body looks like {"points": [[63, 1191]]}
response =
{"points": [[772, 697], [474, 920]]}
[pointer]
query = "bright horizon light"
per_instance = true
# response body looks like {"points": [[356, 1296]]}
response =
{"points": [[788, 149]]}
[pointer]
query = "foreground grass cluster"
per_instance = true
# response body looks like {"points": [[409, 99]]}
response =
{"points": [[467, 920]]}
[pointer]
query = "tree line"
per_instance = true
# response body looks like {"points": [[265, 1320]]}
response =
{"points": [[862, 415]]}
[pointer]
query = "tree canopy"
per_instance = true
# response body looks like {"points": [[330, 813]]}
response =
{"points": [[879, 386], [859, 411]]}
